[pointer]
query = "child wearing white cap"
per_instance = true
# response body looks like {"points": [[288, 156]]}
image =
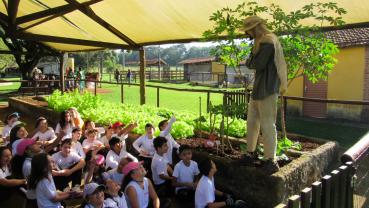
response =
{"points": [[93, 194]]}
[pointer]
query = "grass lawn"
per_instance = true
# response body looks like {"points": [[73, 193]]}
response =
{"points": [[176, 100], [8, 87], [346, 134]]}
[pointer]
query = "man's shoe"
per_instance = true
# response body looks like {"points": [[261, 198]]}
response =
{"points": [[249, 159], [270, 166]]}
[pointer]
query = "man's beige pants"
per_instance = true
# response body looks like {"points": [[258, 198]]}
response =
{"points": [[262, 114]]}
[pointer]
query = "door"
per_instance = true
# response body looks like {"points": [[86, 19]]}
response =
{"points": [[317, 90]]}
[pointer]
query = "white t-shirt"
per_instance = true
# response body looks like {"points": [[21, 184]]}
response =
{"points": [[205, 192], [26, 168], [86, 144], [116, 202], [68, 130], [46, 136], [185, 174], [4, 172], [159, 165], [77, 148], [6, 131], [122, 138], [45, 193], [104, 140], [142, 194], [170, 140], [112, 159], [113, 175], [144, 143], [65, 162]]}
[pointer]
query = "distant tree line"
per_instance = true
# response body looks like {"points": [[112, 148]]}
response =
{"points": [[112, 59]]}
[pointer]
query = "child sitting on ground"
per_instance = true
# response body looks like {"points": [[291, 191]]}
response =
{"points": [[145, 147], [116, 174], [185, 174], [205, 195], [44, 133], [161, 171], [121, 131], [69, 166], [76, 144], [91, 142], [165, 127], [114, 198], [93, 194], [10, 122], [138, 189], [115, 153]]}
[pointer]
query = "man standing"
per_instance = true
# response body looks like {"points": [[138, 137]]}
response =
{"points": [[268, 61]]}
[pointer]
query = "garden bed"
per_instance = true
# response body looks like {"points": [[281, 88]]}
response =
{"points": [[248, 183]]}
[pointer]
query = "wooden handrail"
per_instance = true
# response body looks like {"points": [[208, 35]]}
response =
{"points": [[348, 102], [357, 151]]}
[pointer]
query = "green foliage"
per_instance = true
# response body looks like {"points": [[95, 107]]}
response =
{"points": [[229, 50], [306, 49], [284, 144], [103, 112]]}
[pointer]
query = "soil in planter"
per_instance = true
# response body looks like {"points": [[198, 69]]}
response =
{"points": [[201, 144]]}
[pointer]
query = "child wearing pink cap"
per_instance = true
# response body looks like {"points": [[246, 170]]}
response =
{"points": [[138, 189]]}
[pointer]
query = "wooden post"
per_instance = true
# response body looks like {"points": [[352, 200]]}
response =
{"points": [[326, 192], [343, 188], [207, 102], [317, 195], [142, 76], [305, 198], [95, 87], [157, 96], [285, 107], [121, 93], [294, 201], [61, 72], [349, 186], [335, 188]]}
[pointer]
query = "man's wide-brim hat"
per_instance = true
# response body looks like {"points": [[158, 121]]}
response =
{"points": [[251, 22]]}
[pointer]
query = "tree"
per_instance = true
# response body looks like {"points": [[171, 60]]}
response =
{"points": [[307, 51], [26, 53]]}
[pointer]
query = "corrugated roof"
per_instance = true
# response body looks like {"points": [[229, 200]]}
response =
{"points": [[349, 37], [197, 60]]}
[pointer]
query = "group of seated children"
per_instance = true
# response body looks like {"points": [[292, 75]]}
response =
{"points": [[51, 167]]}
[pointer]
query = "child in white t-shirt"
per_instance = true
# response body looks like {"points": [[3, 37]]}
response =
{"points": [[205, 191], [165, 127], [185, 174], [76, 144], [66, 124], [69, 166], [114, 198], [116, 174], [10, 122], [138, 189], [161, 171], [121, 131], [44, 133], [116, 153], [42, 181], [91, 142]]}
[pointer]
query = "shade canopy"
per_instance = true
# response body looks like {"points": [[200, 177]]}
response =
{"points": [[80, 25]]}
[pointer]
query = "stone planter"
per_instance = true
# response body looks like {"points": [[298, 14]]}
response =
{"points": [[264, 191]]}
